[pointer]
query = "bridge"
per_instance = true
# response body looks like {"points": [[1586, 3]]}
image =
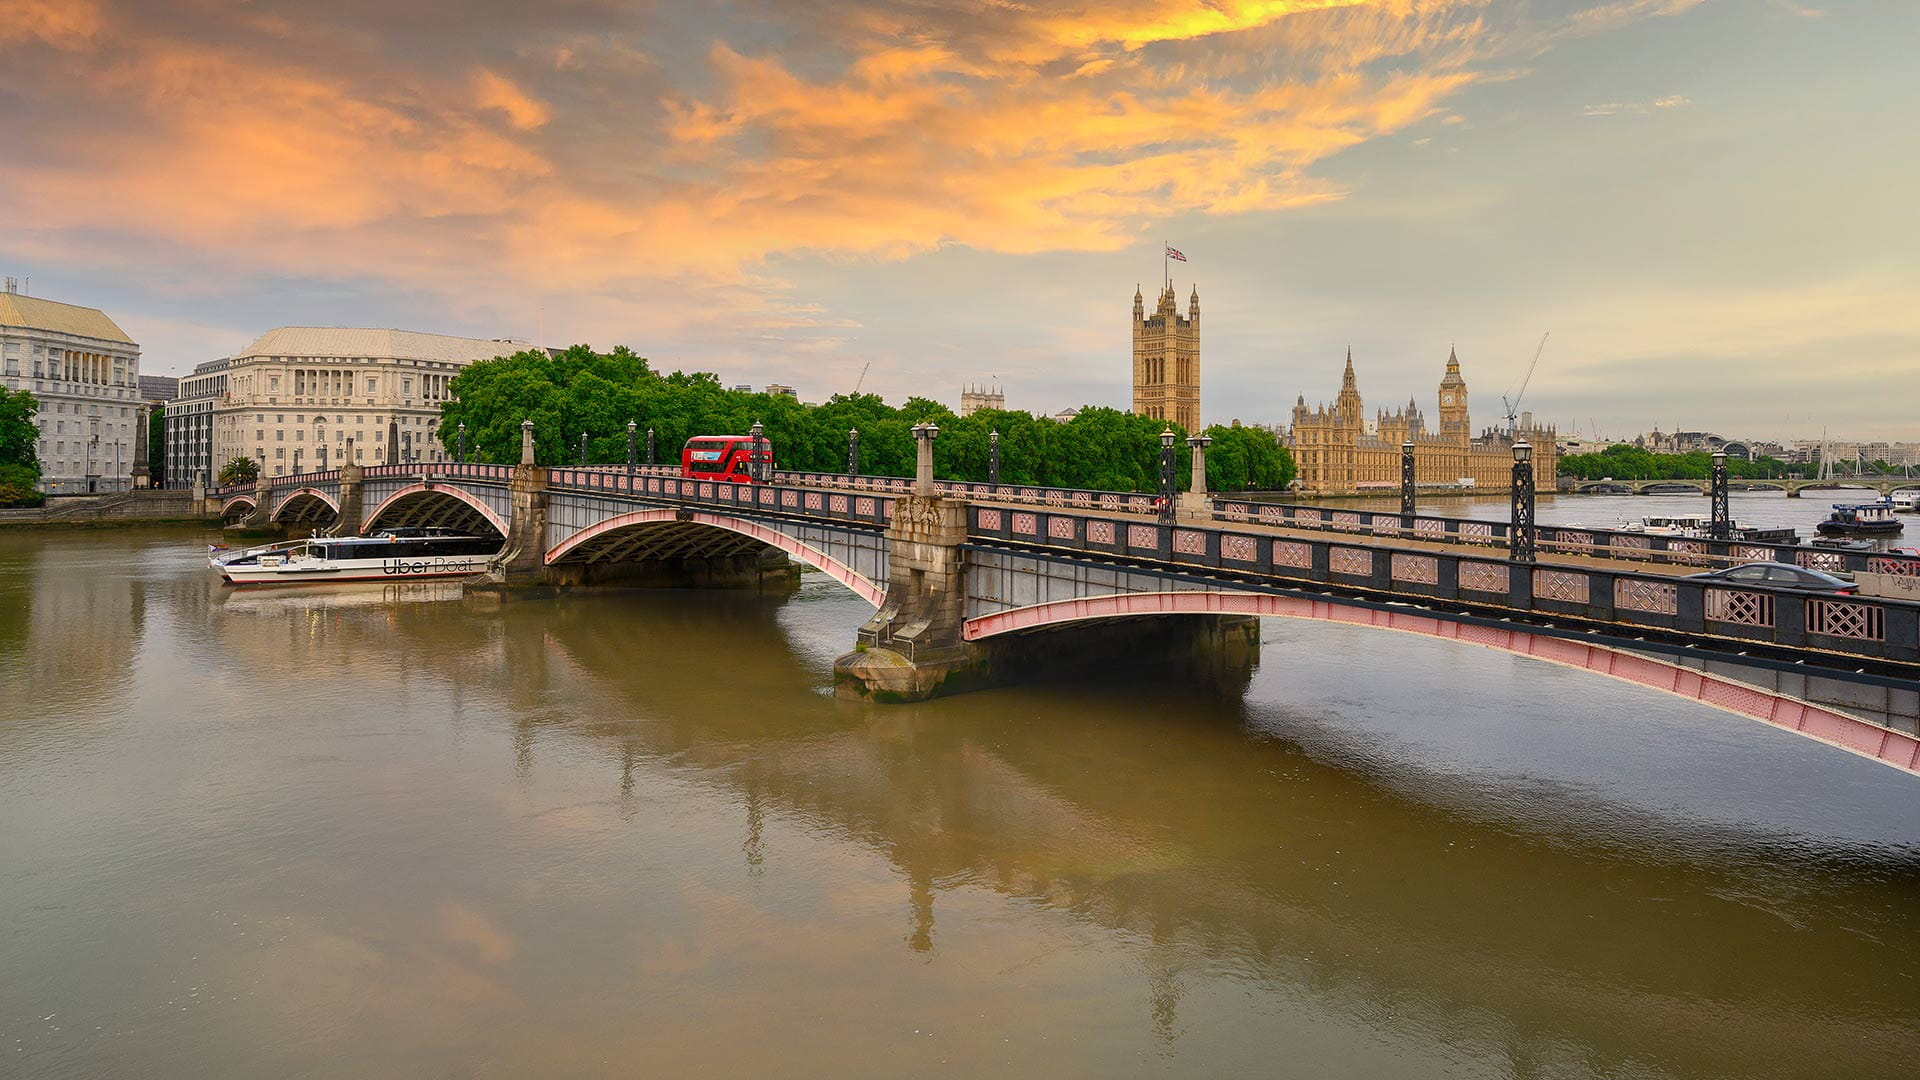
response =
{"points": [[1840, 489], [974, 584]]}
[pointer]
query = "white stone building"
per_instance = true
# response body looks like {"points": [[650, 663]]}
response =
{"points": [[85, 372], [293, 398]]}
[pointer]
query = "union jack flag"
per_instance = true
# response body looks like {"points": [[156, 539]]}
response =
{"points": [[1174, 253]]}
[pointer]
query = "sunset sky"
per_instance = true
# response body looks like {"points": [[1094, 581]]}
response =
{"points": [[1710, 203]]}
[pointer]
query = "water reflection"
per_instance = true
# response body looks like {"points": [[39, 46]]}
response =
{"points": [[404, 834]]}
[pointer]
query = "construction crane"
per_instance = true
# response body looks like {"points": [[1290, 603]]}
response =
{"points": [[1513, 407], [861, 381]]}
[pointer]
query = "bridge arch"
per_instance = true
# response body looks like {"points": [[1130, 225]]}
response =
{"points": [[443, 505], [669, 533], [1813, 721], [305, 504], [238, 506]]}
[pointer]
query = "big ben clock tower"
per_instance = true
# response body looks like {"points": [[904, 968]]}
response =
{"points": [[1454, 425]]}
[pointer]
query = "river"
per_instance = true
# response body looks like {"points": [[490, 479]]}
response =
{"points": [[390, 832]]}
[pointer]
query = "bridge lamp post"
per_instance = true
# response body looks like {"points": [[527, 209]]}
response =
{"points": [[296, 461], [632, 429], [583, 448], [924, 434], [993, 457], [461, 433], [649, 446], [1717, 486], [757, 468], [1166, 476], [1522, 536], [853, 451], [1408, 502]]}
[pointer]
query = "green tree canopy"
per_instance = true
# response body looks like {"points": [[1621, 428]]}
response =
{"points": [[240, 470], [580, 390]]}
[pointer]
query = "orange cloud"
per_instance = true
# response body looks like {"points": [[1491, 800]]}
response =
{"points": [[63, 23], [490, 91], [1016, 128]]}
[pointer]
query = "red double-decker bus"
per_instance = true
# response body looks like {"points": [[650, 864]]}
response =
{"points": [[726, 458]]}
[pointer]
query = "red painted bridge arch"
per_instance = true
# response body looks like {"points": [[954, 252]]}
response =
{"points": [[799, 549], [1817, 722]]}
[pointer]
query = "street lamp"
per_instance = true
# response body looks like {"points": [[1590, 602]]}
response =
{"points": [[632, 428], [1717, 488], [296, 461], [583, 448], [1166, 476], [461, 435], [993, 457], [1408, 504], [649, 445], [853, 451], [757, 467], [1522, 536]]}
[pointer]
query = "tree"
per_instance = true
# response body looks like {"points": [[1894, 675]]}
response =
{"points": [[19, 456], [580, 390], [240, 470]]}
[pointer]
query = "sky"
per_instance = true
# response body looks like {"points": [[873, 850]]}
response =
{"points": [[1708, 204]]}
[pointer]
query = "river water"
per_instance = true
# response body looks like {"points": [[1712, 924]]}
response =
{"points": [[387, 832]]}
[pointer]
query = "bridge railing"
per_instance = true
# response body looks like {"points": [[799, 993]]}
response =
{"points": [[869, 509], [1563, 539], [1846, 626]]}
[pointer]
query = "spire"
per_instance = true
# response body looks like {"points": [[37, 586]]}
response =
{"points": [[1346, 380]]}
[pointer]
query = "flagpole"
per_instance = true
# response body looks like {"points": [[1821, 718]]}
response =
{"points": [[1166, 266]]}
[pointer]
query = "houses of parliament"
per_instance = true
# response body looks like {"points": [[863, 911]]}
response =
{"points": [[1337, 454], [1336, 450]]}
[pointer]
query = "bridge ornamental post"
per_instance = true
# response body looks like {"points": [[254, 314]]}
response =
{"points": [[526, 442], [853, 451], [758, 468], [1722, 519], [1522, 535], [993, 457], [1408, 504], [924, 434], [633, 428], [460, 454], [1196, 497], [351, 504], [583, 449]]}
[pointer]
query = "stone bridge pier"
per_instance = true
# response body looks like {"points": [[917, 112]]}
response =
{"points": [[915, 646]]}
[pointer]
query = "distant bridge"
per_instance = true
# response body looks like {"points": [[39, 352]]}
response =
{"points": [[1840, 489], [963, 576]]}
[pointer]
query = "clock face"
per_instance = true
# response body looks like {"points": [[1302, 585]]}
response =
{"points": [[1446, 398]]}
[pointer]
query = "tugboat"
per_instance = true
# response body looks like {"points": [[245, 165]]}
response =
{"points": [[1861, 519]]}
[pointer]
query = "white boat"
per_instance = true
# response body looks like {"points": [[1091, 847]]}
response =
{"points": [[394, 555], [1700, 527], [1906, 500]]}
